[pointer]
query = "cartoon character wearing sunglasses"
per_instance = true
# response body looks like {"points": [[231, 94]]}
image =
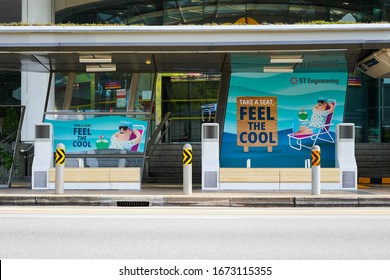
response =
{"points": [[124, 139]]}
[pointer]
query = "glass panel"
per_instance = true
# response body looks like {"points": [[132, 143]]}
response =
{"points": [[105, 114], [303, 13], [223, 11], [172, 14], [193, 14], [191, 98], [363, 109], [210, 10], [230, 13], [10, 157], [269, 13], [10, 88], [104, 92], [373, 127], [386, 112], [386, 131]]}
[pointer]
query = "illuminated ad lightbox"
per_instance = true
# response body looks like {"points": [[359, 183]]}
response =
{"points": [[111, 132], [274, 119]]}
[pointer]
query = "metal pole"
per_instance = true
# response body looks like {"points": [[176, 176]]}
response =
{"points": [[316, 170], [60, 168], [187, 169]]}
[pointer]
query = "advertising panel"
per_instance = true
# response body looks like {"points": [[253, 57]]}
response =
{"points": [[274, 119], [102, 133]]}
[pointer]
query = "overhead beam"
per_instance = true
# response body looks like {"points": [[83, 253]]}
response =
{"points": [[192, 38]]}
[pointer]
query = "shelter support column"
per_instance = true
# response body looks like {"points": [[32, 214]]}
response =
{"points": [[34, 85]]}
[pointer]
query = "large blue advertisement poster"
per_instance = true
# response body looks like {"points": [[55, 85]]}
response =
{"points": [[274, 119], [109, 132]]}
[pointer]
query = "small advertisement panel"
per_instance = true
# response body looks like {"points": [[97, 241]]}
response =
{"points": [[274, 119], [102, 133]]}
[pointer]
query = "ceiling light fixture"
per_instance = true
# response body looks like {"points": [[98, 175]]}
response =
{"points": [[101, 68], [95, 58], [276, 69], [148, 61], [286, 58]]}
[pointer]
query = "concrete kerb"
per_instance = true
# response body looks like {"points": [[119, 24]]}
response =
{"points": [[262, 202], [48, 200], [63, 200], [374, 201], [18, 200], [195, 200], [326, 201]]}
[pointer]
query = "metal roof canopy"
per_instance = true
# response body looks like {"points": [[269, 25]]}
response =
{"points": [[185, 48]]}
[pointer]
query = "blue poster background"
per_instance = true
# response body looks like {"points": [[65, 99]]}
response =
{"points": [[96, 133], [294, 91]]}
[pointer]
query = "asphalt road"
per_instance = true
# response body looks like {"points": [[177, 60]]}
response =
{"points": [[194, 233]]}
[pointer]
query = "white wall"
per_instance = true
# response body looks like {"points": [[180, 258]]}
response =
{"points": [[34, 85]]}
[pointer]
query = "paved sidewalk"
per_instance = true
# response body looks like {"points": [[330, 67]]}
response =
{"points": [[169, 195]]}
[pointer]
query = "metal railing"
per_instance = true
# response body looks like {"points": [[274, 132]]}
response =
{"points": [[158, 134], [27, 155]]}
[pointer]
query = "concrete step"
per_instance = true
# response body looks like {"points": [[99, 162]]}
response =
{"points": [[166, 164], [173, 150], [173, 158], [176, 147], [172, 173], [178, 169]]}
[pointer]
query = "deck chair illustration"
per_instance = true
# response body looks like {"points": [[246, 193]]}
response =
{"points": [[323, 133]]}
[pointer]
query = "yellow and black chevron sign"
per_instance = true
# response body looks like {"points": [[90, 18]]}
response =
{"points": [[187, 156], [60, 156], [315, 158]]}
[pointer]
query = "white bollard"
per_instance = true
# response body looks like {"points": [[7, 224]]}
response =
{"points": [[60, 168], [316, 170], [187, 169], [248, 163]]}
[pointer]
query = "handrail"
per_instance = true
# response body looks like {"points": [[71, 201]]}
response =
{"points": [[28, 149], [156, 133], [27, 156], [9, 138], [132, 155], [152, 144], [96, 113]]}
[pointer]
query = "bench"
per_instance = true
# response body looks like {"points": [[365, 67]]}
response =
{"points": [[98, 178], [249, 178], [276, 178]]}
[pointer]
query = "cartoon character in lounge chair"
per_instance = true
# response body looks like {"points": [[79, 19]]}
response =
{"points": [[318, 125], [126, 138], [318, 119]]}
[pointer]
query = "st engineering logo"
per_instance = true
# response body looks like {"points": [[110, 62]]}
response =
{"points": [[315, 81]]}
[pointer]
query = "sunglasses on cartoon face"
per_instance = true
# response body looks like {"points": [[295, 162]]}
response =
{"points": [[123, 127]]}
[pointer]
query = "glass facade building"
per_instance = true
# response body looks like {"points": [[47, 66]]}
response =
{"points": [[367, 105], [174, 12]]}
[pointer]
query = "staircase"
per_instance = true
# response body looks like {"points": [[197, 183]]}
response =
{"points": [[166, 164]]}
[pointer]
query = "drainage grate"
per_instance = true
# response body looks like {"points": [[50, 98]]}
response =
{"points": [[132, 203]]}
